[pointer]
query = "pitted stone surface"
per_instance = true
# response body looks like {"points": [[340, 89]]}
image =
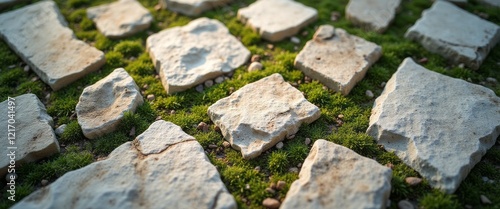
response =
{"points": [[30, 130], [439, 126], [187, 56], [39, 34], [337, 59], [103, 104], [276, 20], [121, 18], [372, 14], [192, 7], [177, 174], [455, 34], [261, 114], [333, 176]]}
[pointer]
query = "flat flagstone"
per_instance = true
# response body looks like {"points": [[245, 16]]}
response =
{"points": [[372, 15], [333, 176], [121, 18], [261, 114], [47, 45], [337, 59], [455, 34], [26, 123], [276, 20], [438, 125], [102, 105], [190, 55], [162, 167], [192, 7]]}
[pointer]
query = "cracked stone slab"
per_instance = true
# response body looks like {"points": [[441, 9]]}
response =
{"points": [[176, 173], [276, 20], [333, 176], [65, 61], [337, 59], [261, 114], [121, 18], [372, 15], [102, 105], [455, 34], [190, 55], [31, 131], [192, 7], [439, 126]]}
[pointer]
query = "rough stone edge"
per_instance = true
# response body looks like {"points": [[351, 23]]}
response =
{"points": [[186, 9], [368, 26]]}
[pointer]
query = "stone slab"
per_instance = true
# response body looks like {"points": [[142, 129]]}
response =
{"points": [[192, 7], [372, 15]]}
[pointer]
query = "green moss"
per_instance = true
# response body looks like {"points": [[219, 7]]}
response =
{"points": [[114, 59], [129, 48], [72, 133], [439, 200], [278, 161]]}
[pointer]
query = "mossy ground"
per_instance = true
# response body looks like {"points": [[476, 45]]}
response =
{"points": [[190, 107]]}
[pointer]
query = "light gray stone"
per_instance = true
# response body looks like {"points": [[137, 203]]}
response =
{"points": [[27, 124], [494, 3], [439, 126], [259, 115], [47, 45], [255, 66], [192, 7], [276, 20], [455, 34], [337, 59], [333, 176], [163, 167], [60, 130], [372, 15], [121, 18], [103, 104], [187, 56]]}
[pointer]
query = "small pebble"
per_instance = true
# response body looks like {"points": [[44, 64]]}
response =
{"points": [[280, 185], [247, 186], [209, 83], [299, 165], [412, 181], [231, 90], [158, 118], [157, 7], [270, 190], [405, 204], [26, 68], [485, 200], [172, 112], [34, 79], [60, 130], [485, 179], [145, 86], [369, 94], [305, 33], [383, 84], [212, 146], [132, 131], [219, 79], [226, 144], [271, 203], [461, 65], [291, 136], [255, 58], [270, 46], [151, 97], [340, 116], [279, 145], [44, 182], [335, 16], [423, 60], [307, 141], [307, 79], [12, 66], [295, 40], [491, 80], [199, 88], [257, 168], [202, 126], [293, 170], [255, 66]]}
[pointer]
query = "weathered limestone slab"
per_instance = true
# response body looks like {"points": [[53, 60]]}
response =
{"points": [[261, 114], [192, 7], [187, 56], [276, 20], [121, 18], [30, 131], [174, 173], [372, 15], [333, 176], [47, 45], [337, 59], [103, 104], [439, 126], [455, 34]]}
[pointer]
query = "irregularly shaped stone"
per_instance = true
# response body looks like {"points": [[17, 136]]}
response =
{"points": [[191, 7], [121, 18], [271, 203], [337, 59], [189, 55], [439, 126], [333, 176], [163, 167], [259, 115], [405, 204], [276, 20], [372, 15], [27, 125], [485, 200], [47, 45], [103, 104], [412, 181], [468, 38], [60, 130], [255, 66]]}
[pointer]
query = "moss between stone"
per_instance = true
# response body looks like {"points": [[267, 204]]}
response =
{"points": [[189, 108]]}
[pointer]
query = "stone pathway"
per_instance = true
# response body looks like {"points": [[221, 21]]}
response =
{"points": [[337, 59], [163, 167], [191, 7], [372, 15], [439, 126], [102, 105], [121, 18], [455, 34], [32, 132], [261, 114], [187, 56], [277, 24], [65, 61]]}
